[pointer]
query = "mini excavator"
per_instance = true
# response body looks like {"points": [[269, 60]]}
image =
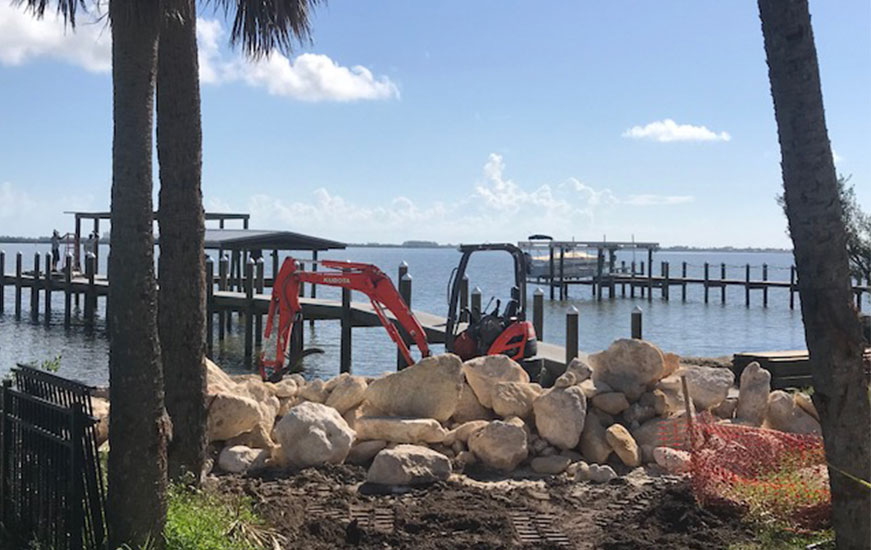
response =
{"points": [[468, 333]]}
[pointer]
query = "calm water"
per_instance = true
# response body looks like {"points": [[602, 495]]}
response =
{"points": [[690, 328]]}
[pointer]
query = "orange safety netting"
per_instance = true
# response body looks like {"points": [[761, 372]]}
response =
{"points": [[768, 474]]}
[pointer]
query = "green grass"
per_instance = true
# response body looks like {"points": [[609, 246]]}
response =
{"points": [[770, 537], [205, 520]]}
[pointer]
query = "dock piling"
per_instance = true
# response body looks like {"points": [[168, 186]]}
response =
{"points": [[68, 289], [747, 285], [34, 289], [210, 312], [641, 275], [464, 299], [258, 318], [572, 335], [792, 287], [649, 274], [223, 318], [345, 349], [538, 313], [765, 286], [632, 282], [722, 283], [707, 281], [476, 302], [47, 287], [666, 283], [249, 312], [18, 285], [683, 285], [91, 296], [635, 323], [2, 280], [405, 292]]}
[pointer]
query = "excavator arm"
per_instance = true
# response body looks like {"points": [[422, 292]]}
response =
{"points": [[365, 278]]}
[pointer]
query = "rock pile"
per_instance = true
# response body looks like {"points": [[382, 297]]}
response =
{"points": [[441, 415]]}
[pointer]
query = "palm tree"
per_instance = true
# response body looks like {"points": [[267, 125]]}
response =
{"points": [[832, 328], [140, 426], [260, 28]]}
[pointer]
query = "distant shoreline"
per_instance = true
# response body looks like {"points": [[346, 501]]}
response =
{"points": [[431, 244]]}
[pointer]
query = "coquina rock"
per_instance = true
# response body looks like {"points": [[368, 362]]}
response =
{"points": [[408, 465], [628, 366], [428, 389], [592, 388], [217, 381], [662, 432], [671, 363], [708, 386], [462, 432], [240, 459], [804, 401], [314, 391], [362, 452], [285, 389], [594, 445], [514, 398], [673, 461], [500, 445], [554, 464], [312, 433], [581, 369], [726, 409], [559, 416], [612, 402], [257, 438], [347, 393], [469, 408], [100, 408], [482, 374], [624, 445], [400, 429], [784, 415], [230, 415]]}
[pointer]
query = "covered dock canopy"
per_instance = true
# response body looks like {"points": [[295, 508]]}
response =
{"points": [[261, 239]]}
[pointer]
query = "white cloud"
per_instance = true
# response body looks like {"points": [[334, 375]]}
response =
{"points": [[658, 200], [307, 77], [668, 130], [495, 208], [23, 213], [23, 38]]}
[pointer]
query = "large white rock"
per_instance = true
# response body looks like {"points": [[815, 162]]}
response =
{"points": [[624, 445], [482, 373], [258, 438], [312, 433], [580, 369], [612, 403], [559, 416], [628, 366], [708, 386], [362, 452], [662, 432], [217, 380], [592, 388], [285, 389], [408, 465], [784, 415], [400, 429], [469, 408], [230, 415], [804, 401], [594, 445], [240, 459], [462, 432], [347, 394], [428, 389], [514, 398], [753, 395], [500, 445], [314, 391]]}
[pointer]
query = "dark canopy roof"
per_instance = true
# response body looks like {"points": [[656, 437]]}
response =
{"points": [[251, 239]]}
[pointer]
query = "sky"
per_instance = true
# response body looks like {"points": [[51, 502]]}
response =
{"points": [[455, 121]]}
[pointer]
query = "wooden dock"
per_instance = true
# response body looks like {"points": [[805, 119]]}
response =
{"points": [[248, 305]]}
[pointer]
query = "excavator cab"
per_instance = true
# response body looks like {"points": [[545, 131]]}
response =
{"points": [[492, 332]]}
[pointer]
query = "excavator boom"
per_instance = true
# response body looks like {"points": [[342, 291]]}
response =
{"points": [[365, 278]]}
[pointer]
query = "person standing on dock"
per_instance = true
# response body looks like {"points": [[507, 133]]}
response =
{"points": [[55, 249]]}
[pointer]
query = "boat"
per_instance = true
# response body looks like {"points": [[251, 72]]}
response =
{"points": [[575, 263]]}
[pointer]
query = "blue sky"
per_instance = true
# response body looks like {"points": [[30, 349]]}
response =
{"points": [[456, 121]]}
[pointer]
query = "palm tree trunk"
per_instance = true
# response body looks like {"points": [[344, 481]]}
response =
{"points": [[182, 271], [137, 459], [832, 329]]}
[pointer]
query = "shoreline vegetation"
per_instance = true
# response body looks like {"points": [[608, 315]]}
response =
{"points": [[8, 239]]}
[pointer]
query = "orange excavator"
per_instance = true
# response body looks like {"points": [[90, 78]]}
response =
{"points": [[365, 278]]}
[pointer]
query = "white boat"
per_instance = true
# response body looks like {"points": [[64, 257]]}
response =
{"points": [[576, 263]]}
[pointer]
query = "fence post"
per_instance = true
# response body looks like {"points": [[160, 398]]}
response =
{"points": [[405, 292], [764, 285], [345, 350], [464, 299], [34, 289], [210, 311], [538, 313], [747, 285], [635, 324], [2, 279], [707, 278], [18, 285], [571, 334], [683, 285], [91, 297], [68, 289], [75, 500], [792, 287], [47, 287], [223, 318]]}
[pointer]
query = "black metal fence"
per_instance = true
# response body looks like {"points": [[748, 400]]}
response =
{"points": [[51, 490]]}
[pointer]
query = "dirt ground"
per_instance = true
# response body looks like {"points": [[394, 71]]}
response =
{"points": [[331, 508]]}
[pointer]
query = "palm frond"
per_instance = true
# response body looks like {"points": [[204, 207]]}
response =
{"points": [[262, 26], [66, 8]]}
